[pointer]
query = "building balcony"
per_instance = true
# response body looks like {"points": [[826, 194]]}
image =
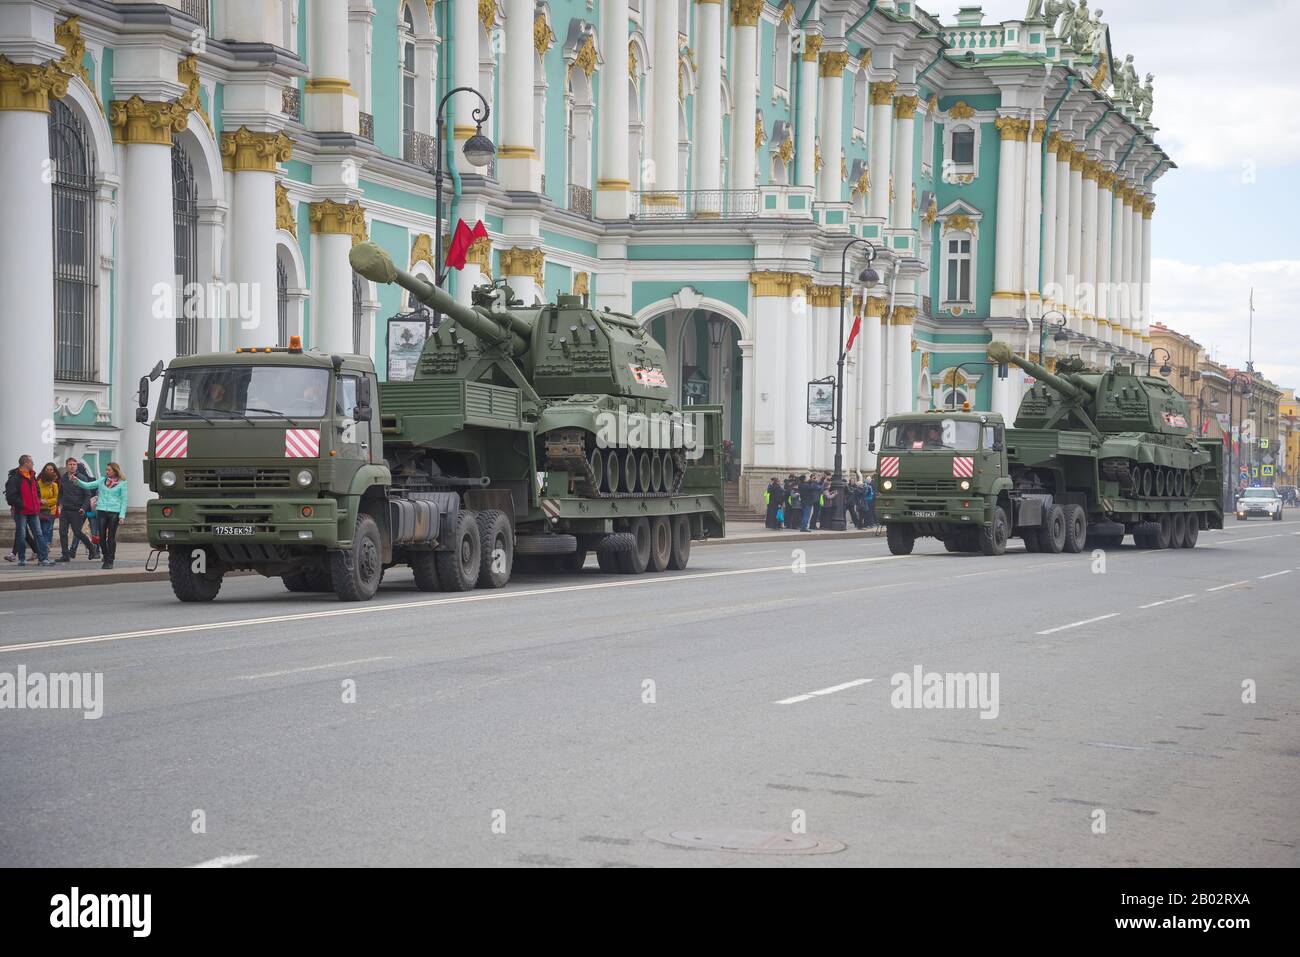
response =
{"points": [[719, 204], [579, 200], [291, 103], [418, 148], [366, 126]]}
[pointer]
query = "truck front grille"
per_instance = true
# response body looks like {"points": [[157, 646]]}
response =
{"points": [[235, 479], [904, 486]]}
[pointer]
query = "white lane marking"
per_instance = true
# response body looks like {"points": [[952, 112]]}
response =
{"points": [[229, 860], [1275, 574], [1131, 747], [294, 671], [1077, 624], [1238, 541], [370, 609], [1155, 604], [831, 690], [1229, 585]]}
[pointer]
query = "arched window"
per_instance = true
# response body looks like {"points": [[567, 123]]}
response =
{"points": [[185, 226], [358, 318], [407, 40], [282, 300], [73, 191]]}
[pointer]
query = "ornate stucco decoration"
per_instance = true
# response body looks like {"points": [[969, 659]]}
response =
{"points": [[140, 121], [1012, 128], [817, 158], [905, 107], [585, 60], [187, 71], [745, 13], [780, 284], [73, 62], [787, 13], [28, 86], [518, 261], [244, 150], [812, 45], [833, 63], [631, 59], [786, 150], [931, 213], [422, 249], [759, 133], [961, 110], [882, 93], [543, 35], [961, 223], [284, 217], [338, 219], [581, 284], [487, 14]]}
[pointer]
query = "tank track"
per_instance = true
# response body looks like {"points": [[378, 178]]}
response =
{"points": [[566, 450], [1123, 471]]}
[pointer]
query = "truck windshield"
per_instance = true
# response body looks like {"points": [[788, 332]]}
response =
{"points": [[251, 391], [932, 435]]}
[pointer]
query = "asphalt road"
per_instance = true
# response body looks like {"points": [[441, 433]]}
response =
{"points": [[514, 727]]}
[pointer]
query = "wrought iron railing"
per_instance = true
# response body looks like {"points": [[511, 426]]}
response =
{"points": [[366, 126], [196, 9], [579, 200], [291, 102], [699, 204], [418, 148]]}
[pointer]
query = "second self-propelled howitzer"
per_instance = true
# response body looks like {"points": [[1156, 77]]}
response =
{"points": [[593, 383], [1135, 426]]}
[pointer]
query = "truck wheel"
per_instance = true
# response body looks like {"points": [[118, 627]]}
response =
{"points": [[1164, 532], [661, 543], [574, 561], [1178, 530], [610, 547], [951, 543], [315, 578], [1076, 528], [425, 571], [1051, 536], [497, 548], [637, 559], [296, 582], [458, 566], [1192, 532], [680, 555], [993, 537], [900, 538], [187, 584], [356, 571], [1030, 539]]}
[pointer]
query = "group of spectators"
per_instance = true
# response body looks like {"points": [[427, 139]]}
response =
{"points": [[75, 499], [801, 501]]}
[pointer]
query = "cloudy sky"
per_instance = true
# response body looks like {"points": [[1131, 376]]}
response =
{"points": [[1227, 104]]}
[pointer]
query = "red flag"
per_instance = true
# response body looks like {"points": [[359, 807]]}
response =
{"points": [[463, 238], [853, 333]]}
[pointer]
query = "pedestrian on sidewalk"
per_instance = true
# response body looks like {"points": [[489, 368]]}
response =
{"points": [[111, 494], [23, 497], [809, 494], [47, 483], [869, 502], [74, 503], [774, 497]]}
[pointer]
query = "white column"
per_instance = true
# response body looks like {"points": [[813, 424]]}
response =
{"points": [[1049, 220], [1061, 268], [1148, 210], [331, 102], [666, 103], [331, 293], [1134, 217], [1007, 281], [1001, 400], [806, 133], [517, 166], [27, 278], [743, 68], [1075, 235], [252, 158], [882, 130], [1120, 308], [900, 352], [772, 316], [1033, 243], [1104, 299], [904, 149], [873, 370], [798, 436], [1088, 252], [523, 269], [465, 53], [253, 21], [613, 190], [707, 163], [1129, 305], [831, 123]]}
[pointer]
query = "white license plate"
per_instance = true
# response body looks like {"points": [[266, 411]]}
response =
{"points": [[233, 530], [925, 514]]}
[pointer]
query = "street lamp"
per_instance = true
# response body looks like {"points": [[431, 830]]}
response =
{"points": [[479, 153], [868, 278], [1059, 336], [1200, 408], [1244, 392], [1166, 369]]}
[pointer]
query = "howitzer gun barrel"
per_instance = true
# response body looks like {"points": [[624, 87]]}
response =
{"points": [[1070, 387], [372, 262]]}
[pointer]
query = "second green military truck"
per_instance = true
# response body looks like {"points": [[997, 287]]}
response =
{"points": [[1093, 457], [528, 437]]}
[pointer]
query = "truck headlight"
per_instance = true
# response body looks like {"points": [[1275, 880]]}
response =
{"points": [[304, 478], [169, 478], [965, 485], [887, 485]]}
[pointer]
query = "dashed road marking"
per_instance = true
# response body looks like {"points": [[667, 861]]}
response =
{"points": [[1275, 574], [824, 691], [294, 671], [229, 860], [1078, 624], [1229, 585], [1167, 601]]}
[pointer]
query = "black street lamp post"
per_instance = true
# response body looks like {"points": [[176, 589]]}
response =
{"points": [[1060, 335], [479, 151], [1165, 369], [1245, 393], [834, 518]]}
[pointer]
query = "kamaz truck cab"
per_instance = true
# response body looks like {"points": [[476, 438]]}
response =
{"points": [[943, 474], [268, 459]]}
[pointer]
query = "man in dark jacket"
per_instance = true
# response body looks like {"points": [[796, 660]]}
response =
{"points": [[810, 493], [24, 500], [774, 496], [74, 501]]}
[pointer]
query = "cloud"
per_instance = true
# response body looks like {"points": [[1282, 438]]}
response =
{"points": [[1211, 304]]}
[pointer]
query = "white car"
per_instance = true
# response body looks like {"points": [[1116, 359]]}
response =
{"points": [[1264, 502]]}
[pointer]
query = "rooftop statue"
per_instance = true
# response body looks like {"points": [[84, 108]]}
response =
{"points": [[1081, 28], [1059, 14], [1144, 98], [1126, 80], [1035, 11]]}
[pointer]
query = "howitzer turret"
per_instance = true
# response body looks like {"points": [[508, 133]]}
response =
{"points": [[1070, 385]]}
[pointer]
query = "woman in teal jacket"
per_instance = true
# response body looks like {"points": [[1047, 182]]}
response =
{"points": [[110, 490]]}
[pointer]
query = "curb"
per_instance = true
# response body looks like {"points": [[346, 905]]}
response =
{"points": [[791, 535]]}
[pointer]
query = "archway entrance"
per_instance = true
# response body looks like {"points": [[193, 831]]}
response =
{"points": [[705, 368]]}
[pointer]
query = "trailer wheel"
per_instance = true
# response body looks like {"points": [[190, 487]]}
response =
{"points": [[1051, 536], [496, 549], [661, 542], [680, 555], [1192, 532], [1178, 529], [610, 547], [574, 561], [458, 567], [993, 538], [425, 570], [1164, 532], [637, 559], [1076, 528], [900, 538], [187, 584], [355, 571], [1030, 538]]}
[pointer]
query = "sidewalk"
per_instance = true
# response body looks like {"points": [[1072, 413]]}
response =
{"points": [[131, 557]]}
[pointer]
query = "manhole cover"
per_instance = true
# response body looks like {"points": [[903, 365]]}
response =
{"points": [[741, 841]]}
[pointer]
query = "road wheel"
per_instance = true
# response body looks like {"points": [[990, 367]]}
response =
{"points": [[1164, 532], [187, 584], [1030, 539], [993, 538], [681, 551], [661, 542], [1148, 481], [636, 560], [1177, 529], [496, 548], [1192, 532], [610, 547], [901, 539], [356, 571], [1051, 536], [574, 561], [1162, 484], [1076, 528], [425, 570], [458, 566]]}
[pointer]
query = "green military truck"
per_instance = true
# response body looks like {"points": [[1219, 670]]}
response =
{"points": [[1094, 456], [527, 438]]}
